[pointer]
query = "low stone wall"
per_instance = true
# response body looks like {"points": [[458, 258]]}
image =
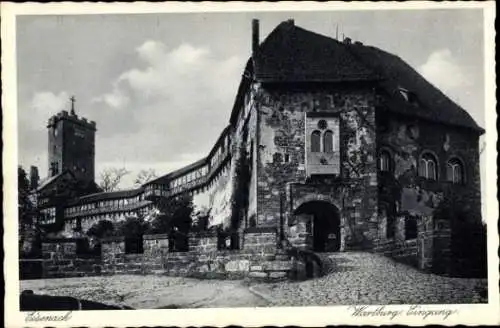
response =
{"points": [[256, 258], [30, 269], [261, 240], [202, 242], [403, 251], [430, 251], [60, 259]]}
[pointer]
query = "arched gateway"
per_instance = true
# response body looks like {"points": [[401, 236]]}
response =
{"points": [[322, 220]]}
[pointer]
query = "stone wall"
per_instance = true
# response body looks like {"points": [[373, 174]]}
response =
{"points": [[30, 269], [429, 251], [204, 259], [258, 257], [406, 140], [281, 157], [60, 259], [403, 193]]}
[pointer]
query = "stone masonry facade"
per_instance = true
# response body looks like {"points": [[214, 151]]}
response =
{"points": [[352, 191]]}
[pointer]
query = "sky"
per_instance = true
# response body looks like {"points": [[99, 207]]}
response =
{"points": [[161, 86]]}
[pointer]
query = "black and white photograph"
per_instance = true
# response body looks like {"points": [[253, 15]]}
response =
{"points": [[252, 159]]}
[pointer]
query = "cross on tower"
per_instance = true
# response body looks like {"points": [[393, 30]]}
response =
{"points": [[73, 100]]}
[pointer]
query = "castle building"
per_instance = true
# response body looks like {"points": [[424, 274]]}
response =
{"points": [[342, 146], [71, 145]]}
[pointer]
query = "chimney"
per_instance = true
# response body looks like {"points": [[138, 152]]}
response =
{"points": [[347, 41], [291, 21], [34, 177], [255, 35]]}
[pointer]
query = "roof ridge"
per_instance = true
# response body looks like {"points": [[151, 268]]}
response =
{"points": [[112, 192], [293, 54], [396, 71]]}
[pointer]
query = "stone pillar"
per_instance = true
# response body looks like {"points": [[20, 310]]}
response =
{"points": [[300, 237], [343, 231], [155, 251], [441, 260], [399, 234], [113, 251], [425, 243]]}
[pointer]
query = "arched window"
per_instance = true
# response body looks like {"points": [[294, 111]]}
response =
{"points": [[428, 167], [316, 141], [328, 141], [384, 161], [455, 171]]}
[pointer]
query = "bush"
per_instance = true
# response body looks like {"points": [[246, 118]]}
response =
{"points": [[468, 238], [132, 227], [175, 214], [469, 248], [101, 229]]}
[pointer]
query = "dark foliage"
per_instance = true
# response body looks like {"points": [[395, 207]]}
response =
{"points": [[132, 227], [175, 215], [468, 239], [30, 234], [239, 202], [101, 229]]}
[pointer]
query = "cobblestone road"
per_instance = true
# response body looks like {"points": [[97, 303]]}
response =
{"points": [[365, 278], [356, 278]]}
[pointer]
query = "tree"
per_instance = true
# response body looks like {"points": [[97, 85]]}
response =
{"points": [[111, 178], [132, 227], [144, 176], [468, 236], [29, 233], [101, 229], [175, 215]]}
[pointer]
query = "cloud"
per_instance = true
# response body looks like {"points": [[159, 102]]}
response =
{"points": [[171, 103], [33, 115], [443, 70], [115, 99], [184, 71], [43, 105]]}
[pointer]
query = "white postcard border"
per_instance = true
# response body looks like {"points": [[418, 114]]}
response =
{"points": [[307, 316]]}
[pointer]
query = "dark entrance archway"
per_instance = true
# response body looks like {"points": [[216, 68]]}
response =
{"points": [[324, 225]]}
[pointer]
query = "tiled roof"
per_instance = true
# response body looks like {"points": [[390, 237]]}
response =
{"points": [[110, 195], [292, 54], [177, 173], [52, 179], [429, 103], [109, 209]]}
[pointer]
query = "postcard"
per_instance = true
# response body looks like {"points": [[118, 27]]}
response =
{"points": [[249, 164]]}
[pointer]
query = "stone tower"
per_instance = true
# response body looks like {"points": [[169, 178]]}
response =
{"points": [[71, 145]]}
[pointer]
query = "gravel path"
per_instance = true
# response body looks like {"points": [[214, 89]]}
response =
{"points": [[150, 292], [366, 278]]}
